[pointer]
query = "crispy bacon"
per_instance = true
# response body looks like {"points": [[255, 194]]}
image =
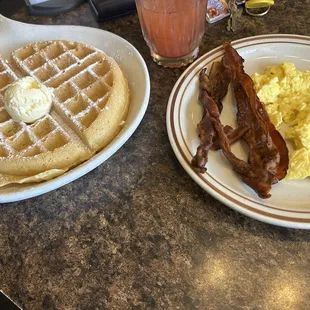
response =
{"points": [[268, 155], [267, 146], [232, 135], [205, 127], [206, 134], [217, 85], [255, 177]]}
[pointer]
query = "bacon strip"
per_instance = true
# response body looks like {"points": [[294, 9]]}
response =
{"points": [[267, 147]]}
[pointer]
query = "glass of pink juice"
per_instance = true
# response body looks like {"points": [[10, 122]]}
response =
{"points": [[172, 29]]}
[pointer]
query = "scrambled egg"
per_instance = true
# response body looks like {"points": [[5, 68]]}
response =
{"points": [[286, 94]]}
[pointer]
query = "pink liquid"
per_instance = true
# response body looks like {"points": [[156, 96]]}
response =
{"points": [[172, 28]]}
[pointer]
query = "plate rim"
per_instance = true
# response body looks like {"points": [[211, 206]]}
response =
{"points": [[237, 205], [123, 136]]}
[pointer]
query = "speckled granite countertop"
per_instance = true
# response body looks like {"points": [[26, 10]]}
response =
{"points": [[137, 232]]}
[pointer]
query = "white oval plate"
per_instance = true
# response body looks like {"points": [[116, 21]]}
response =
{"points": [[290, 202], [15, 34]]}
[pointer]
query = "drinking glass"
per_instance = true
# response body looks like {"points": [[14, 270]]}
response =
{"points": [[172, 29]]}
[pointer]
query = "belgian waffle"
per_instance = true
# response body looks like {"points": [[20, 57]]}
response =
{"points": [[90, 105]]}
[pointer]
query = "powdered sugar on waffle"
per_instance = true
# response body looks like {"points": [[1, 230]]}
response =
{"points": [[84, 60], [82, 77]]}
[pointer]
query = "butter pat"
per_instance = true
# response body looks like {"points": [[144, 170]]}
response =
{"points": [[28, 100]]}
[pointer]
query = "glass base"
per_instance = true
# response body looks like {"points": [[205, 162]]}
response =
{"points": [[175, 62]]}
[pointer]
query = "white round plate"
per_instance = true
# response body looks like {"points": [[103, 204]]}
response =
{"points": [[290, 202], [15, 34]]}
